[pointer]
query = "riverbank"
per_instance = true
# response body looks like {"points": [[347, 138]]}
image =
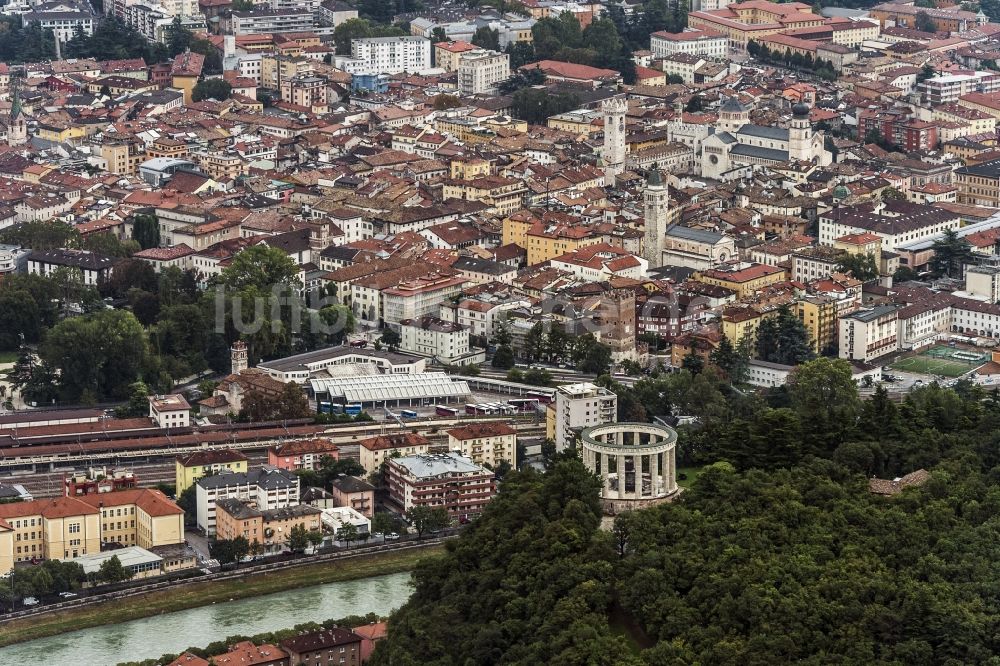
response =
{"points": [[194, 595]]}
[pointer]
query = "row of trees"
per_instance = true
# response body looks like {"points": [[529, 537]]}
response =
{"points": [[824, 69], [550, 343]]}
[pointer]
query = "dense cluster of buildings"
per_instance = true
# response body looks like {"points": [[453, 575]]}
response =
{"points": [[770, 158]]}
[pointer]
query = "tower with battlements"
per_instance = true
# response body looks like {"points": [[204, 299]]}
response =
{"points": [[655, 207], [613, 152]]}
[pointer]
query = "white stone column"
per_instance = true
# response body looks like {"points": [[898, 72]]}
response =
{"points": [[638, 474], [604, 476], [621, 475], [654, 473], [671, 471]]}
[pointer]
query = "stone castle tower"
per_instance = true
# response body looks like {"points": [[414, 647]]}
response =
{"points": [[800, 134], [613, 152], [239, 356], [655, 208]]}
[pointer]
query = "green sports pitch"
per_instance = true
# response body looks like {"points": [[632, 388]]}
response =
{"points": [[938, 361]]}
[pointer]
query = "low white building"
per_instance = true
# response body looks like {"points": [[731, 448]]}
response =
{"points": [[693, 41], [764, 373], [335, 518], [300, 367], [170, 411], [446, 341]]}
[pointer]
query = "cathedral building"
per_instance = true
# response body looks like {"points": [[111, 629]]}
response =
{"points": [[737, 143]]}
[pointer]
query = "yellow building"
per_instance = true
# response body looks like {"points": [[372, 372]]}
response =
{"points": [[582, 122], [60, 134], [468, 168], [863, 243], [447, 55], [545, 242], [139, 517], [277, 68], [69, 527], [193, 466], [122, 158], [746, 281], [485, 443], [819, 316], [742, 322], [376, 450], [504, 195]]}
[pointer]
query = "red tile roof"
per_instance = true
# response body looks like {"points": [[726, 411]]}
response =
{"points": [[482, 430]]}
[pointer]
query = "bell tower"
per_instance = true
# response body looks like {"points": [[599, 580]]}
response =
{"points": [[800, 133], [613, 152], [17, 124], [239, 357]]}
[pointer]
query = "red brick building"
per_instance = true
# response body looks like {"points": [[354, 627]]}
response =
{"points": [[302, 454]]}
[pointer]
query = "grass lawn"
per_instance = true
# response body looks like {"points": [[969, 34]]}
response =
{"points": [[202, 594], [928, 365], [692, 474], [8, 357]]}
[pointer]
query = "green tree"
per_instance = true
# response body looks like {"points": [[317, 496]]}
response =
{"points": [[443, 101], [41, 235], [391, 338], [178, 38], [112, 571], [861, 266], [260, 267], [503, 358], [217, 89], [486, 37], [438, 35], [298, 538], [348, 533], [825, 397], [138, 402], [924, 22], [694, 105], [951, 253], [427, 519], [104, 353], [146, 230], [783, 339], [903, 274]]}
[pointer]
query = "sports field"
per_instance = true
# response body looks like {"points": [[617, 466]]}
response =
{"points": [[941, 361]]}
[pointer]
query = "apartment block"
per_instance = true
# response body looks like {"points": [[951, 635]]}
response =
{"points": [[392, 55], [579, 406]]}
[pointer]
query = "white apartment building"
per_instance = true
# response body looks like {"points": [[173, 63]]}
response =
{"points": [[483, 317], [922, 323], [249, 66], [419, 298], [263, 488], [480, 71], [706, 43], [896, 222], [488, 443], [868, 334], [63, 24], [392, 55], [259, 21], [434, 338], [980, 282], [581, 406], [948, 88], [13, 258]]}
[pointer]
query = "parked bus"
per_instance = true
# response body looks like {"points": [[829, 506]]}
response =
{"points": [[524, 404], [441, 410], [408, 413], [544, 398], [352, 410]]}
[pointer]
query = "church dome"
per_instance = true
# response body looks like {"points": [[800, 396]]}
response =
{"points": [[801, 109], [841, 192], [654, 178]]}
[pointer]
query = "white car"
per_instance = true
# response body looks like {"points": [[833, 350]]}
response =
{"points": [[68, 595], [30, 601], [391, 536]]}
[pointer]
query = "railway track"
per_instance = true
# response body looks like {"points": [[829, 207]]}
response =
{"points": [[57, 458]]}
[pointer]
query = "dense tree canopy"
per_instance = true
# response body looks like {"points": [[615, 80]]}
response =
{"points": [[778, 553]]}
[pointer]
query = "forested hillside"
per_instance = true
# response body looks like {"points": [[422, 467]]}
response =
{"points": [[767, 559]]}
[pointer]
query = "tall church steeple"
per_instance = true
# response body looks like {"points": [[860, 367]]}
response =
{"points": [[655, 207], [17, 125]]}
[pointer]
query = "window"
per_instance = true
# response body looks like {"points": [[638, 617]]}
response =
{"points": [[74, 528]]}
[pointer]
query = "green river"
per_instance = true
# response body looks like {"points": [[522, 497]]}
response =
{"points": [[172, 632]]}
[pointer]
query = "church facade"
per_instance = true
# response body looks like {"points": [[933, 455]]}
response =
{"points": [[737, 143]]}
